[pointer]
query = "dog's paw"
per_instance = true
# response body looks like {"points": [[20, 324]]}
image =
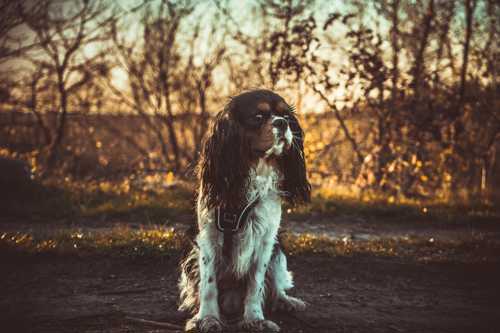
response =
{"points": [[290, 304], [208, 324], [191, 325], [259, 326]]}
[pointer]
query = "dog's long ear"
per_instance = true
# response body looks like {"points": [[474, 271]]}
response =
{"points": [[224, 164], [293, 166]]}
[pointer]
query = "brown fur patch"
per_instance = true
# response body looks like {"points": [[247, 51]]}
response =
{"points": [[264, 106], [282, 107], [263, 139]]}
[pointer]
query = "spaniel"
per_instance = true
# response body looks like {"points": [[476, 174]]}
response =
{"points": [[251, 161]]}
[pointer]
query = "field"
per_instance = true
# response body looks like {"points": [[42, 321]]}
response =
{"points": [[112, 113], [361, 269]]}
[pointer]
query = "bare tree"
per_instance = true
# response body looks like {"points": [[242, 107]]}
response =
{"points": [[170, 77], [150, 68], [14, 43], [13, 15], [470, 7], [66, 34]]}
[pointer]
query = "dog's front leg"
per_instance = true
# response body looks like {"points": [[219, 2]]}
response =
{"points": [[253, 316], [208, 317]]}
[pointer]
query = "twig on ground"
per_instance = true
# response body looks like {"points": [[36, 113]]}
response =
{"points": [[125, 292], [169, 326]]}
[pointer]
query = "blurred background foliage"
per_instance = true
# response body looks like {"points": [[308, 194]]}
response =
{"points": [[105, 104]]}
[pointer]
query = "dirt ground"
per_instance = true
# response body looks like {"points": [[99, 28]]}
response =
{"points": [[362, 293]]}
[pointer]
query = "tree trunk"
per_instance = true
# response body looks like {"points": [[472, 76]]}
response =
{"points": [[419, 57], [395, 49], [169, 121], [61, 124], [470, 6], [457, 125], [47, 136]]}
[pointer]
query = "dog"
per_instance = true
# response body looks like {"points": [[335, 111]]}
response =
{"points": [[251, 161]]}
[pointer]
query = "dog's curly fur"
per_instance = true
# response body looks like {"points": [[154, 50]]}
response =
{"points": [[234, 169]]}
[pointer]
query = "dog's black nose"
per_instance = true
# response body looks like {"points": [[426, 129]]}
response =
{"points": [[280, 123]]}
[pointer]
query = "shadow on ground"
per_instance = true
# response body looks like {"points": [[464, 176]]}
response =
{"points": [[361, 293]]}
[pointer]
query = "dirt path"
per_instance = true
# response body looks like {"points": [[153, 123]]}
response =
{"points": [[49, 293]]}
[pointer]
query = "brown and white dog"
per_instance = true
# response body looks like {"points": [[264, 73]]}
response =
{"points": [[251, 161]]}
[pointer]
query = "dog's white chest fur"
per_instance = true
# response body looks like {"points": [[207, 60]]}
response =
{"points": [[263, 222]]}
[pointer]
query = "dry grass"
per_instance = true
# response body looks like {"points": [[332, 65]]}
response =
{"points": [[158, 241], [335, 201], [426, 250], [157, 199], [148, 200], [119, 241]]}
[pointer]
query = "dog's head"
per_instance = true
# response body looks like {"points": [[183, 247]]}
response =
{"points": [[253, 125]]}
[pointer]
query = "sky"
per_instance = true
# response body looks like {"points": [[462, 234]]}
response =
{"points": [[241, 14], [241, 18], [205, 11]]}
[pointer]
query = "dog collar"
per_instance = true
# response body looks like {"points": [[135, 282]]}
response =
{"points": [[230, 222]]}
